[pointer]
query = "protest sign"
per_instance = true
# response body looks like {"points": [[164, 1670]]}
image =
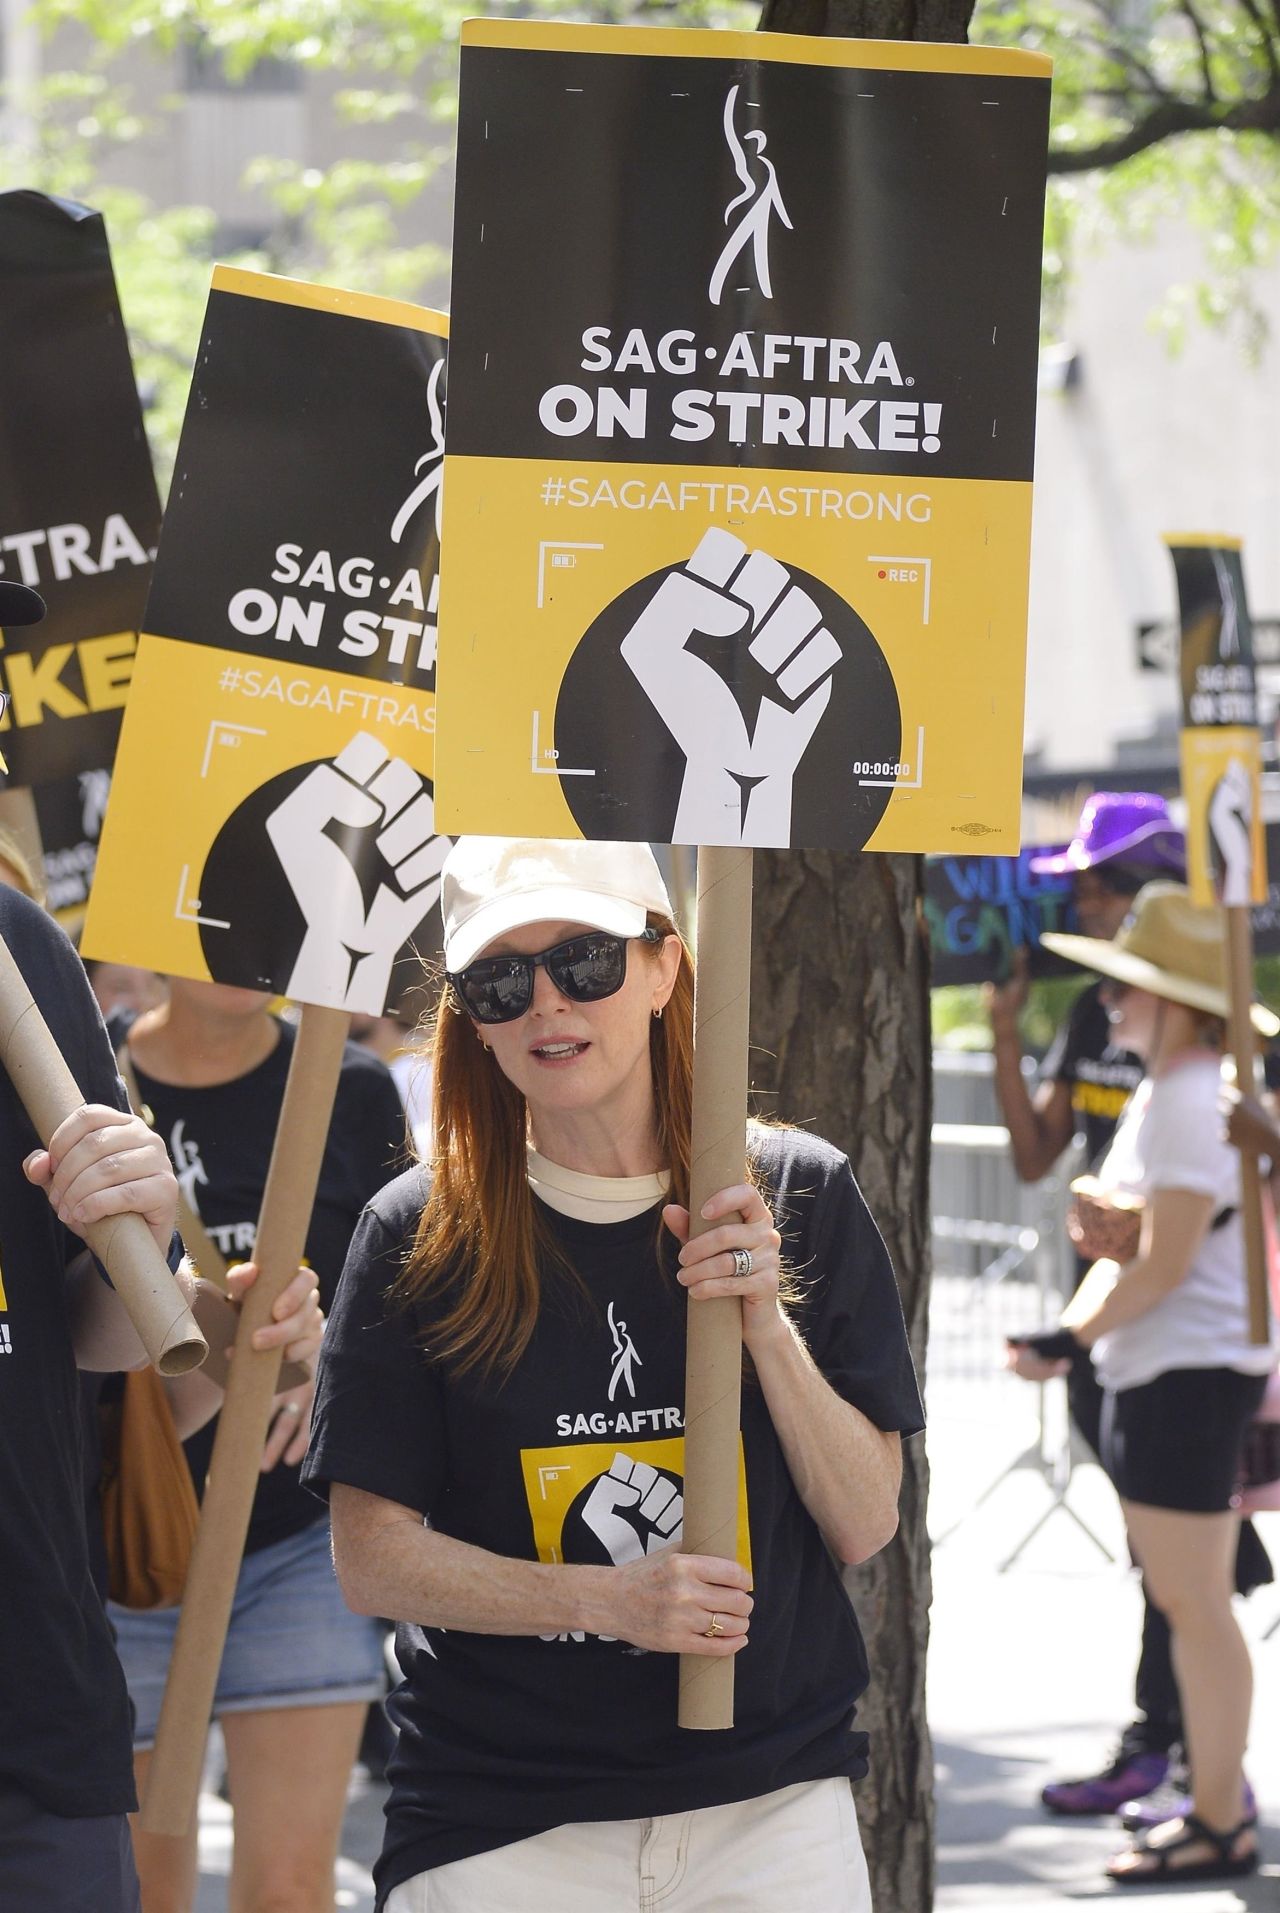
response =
{"points": [[285, 684], [79, 514], [1220, 746], [79, 518], [271, 820], [754, 443], [69, 816], [739, 468], [1221, 754], [980, 910]]}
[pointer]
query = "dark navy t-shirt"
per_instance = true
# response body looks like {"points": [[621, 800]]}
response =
{"points": [[1100, 1076], [65, 1737], [578, 1457]]}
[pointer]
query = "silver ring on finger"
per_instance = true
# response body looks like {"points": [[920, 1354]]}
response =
{"points": [[292, 1408], [742, 1262]]}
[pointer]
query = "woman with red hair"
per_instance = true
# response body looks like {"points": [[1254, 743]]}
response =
{"points": [[498, 1427]]}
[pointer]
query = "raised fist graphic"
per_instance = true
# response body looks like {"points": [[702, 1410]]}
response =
{"points": [[1231, 833], [348, 950], [737, 784], [634, 1510]]}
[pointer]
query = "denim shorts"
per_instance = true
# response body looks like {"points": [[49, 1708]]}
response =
{"points": [[292, 1642]]}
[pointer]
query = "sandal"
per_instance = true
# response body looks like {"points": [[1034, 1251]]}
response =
{"points": [[1224, 1865]]}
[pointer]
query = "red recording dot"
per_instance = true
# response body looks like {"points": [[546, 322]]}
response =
{"points": [[882, 574]]}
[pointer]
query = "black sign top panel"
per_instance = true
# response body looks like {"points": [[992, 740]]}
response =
{"points": [[1216, 656], [79, 514], [303, 483], [899, 218]]}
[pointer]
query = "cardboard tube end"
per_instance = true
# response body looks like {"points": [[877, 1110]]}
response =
{"points": [[180, 1357]]}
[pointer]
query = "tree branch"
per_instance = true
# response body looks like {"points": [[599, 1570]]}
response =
{"points": [[1165, 121], [1268, 45], [1197, 27], [1112, 46]]}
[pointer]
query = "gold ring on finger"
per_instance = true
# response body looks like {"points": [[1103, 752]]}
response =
{"points": [[715, 1630]]}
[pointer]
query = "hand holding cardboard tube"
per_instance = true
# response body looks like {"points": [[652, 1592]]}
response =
{"points": [[122, 1242]]}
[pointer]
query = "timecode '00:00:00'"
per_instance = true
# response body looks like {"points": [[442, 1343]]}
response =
{"points": [[881, 770]]}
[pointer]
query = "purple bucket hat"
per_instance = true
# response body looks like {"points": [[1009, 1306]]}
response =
{"points": [[1134, 825]]}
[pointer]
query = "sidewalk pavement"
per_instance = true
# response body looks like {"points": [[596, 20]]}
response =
{"points": [[1031, 1673]]}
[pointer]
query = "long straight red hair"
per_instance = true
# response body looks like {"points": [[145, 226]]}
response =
{"points": [[481, 1240]]}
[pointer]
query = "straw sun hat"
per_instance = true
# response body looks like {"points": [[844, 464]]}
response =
{"points": [[1170, 946]]}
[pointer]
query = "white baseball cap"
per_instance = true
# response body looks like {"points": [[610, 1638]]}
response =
{"points": [[492, 885]]}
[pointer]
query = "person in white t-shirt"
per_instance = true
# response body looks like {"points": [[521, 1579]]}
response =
{"points": [[1169, 1335]]}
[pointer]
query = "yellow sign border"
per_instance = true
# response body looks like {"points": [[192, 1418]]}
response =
{"points": [[759, 49], [353, 305], [1201, 540]]}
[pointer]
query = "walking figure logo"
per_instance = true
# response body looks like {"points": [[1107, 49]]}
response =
{"points": [[430, 465], [95, 788], [624, 1354], [188, 1167], [759, 200], [1229, 639]]}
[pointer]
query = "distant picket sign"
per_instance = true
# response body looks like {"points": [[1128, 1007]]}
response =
{"points": [[1220, 744], [284, 695], [981, 910]]}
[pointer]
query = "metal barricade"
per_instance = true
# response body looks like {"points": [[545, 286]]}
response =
{"points": [[1002, 1264]]}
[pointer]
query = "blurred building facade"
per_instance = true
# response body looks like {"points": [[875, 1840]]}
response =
{"points": [[1133, 443]]}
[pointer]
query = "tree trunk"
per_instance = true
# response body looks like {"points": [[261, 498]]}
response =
{"points": [[840, 1035], [840, 1015], [840, 1018], [871, 19]]}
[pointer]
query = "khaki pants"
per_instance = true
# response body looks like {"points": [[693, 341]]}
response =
{"points": [[794, 1849]]}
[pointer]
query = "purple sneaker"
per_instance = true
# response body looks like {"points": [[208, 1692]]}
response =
{"points": [[1172, 1803], [1129, 1777]]}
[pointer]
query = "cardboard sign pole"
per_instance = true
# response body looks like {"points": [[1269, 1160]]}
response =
{"points": [[123, 1244], [1240, 1042], [713, 1372], [242, 1427]]}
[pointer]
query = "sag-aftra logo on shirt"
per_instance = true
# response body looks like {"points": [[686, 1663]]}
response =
{"points": [[613, 1500]]}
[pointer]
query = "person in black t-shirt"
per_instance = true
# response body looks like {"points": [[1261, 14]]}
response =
{"points": [[299, 1670], [499, 1430], [65, 1779], [1123, 840]]}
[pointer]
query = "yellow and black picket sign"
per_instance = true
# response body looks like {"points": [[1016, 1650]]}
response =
{"points": [[1221, 754], [754, 443], [272, 821], [283, 702], [1221, 749]]}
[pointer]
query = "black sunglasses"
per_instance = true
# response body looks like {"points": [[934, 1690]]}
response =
{"points": [[586, 969]]}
